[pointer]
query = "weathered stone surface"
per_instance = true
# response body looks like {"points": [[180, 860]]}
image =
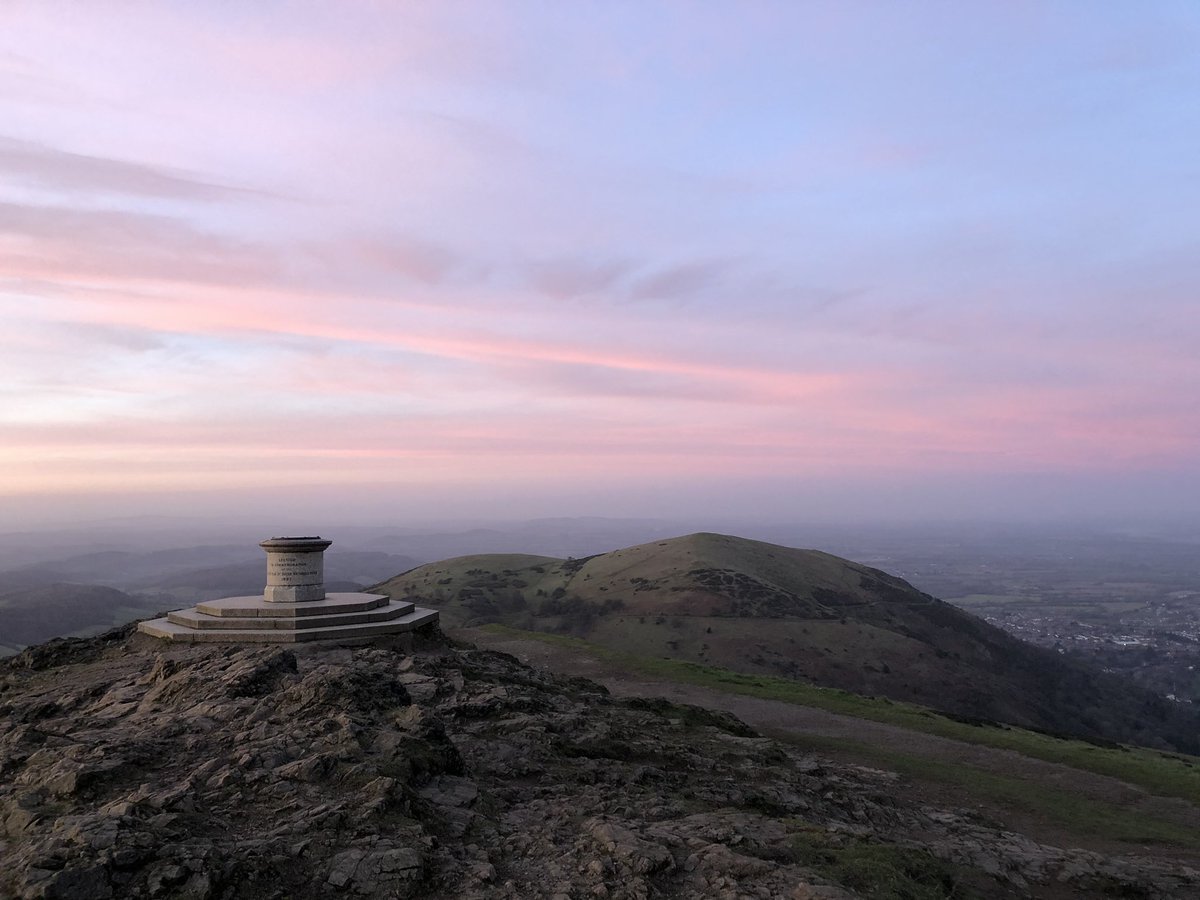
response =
{"points": [[295, 569], [130, 769], [253, 620]]}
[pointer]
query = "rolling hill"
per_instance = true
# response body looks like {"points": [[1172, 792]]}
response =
{"points": [[760, 608]]}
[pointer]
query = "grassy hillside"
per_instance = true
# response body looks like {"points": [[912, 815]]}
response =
{"points": [[762, 609], [1164, 774]]}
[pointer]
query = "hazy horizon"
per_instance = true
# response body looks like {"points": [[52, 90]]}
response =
{"points": [[703, 262], [714, 507]]}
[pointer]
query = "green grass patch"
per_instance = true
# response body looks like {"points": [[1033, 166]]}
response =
{"points": [[874, 870], [1065, 808], [1165, 774]]}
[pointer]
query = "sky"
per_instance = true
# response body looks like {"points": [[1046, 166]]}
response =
{"points": [[787, 260]]}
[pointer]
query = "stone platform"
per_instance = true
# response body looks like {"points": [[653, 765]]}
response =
{"points": [[256, 620]]}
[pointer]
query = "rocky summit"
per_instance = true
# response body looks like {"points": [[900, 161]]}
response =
{"points": [[416, 768]]}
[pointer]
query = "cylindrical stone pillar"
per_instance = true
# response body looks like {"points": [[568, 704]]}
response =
{"points": [[295, 569]]}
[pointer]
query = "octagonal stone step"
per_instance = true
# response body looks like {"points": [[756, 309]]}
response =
{"points": [[257, 606], [175, 632], [193, 618]]}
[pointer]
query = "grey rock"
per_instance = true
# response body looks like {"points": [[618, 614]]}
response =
{"points": [[215, 774], [79, 883]]}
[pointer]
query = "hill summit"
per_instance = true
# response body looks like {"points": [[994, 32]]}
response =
{"points": [[133, 768], [761, 608]]}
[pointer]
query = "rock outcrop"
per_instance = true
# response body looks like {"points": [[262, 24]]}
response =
{"points": [[404, 769]]}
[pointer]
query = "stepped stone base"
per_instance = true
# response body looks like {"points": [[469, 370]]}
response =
{"points": [[255, 620]]}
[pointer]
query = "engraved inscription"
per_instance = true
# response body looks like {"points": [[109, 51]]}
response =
{"points": [[294, 568]]}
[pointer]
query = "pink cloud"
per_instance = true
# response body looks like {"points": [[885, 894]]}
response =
{"points": [[77, 245], [823, 292], [61, 170], [772, 419]]}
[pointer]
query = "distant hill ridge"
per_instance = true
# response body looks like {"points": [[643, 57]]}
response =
{"points": [[762, 608], [35, 614]]}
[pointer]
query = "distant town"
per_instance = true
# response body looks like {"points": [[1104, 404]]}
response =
{"points": [[1130, 604], [1157, 643]]}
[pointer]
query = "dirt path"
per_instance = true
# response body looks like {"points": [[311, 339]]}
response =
{"points": [[786, 720]]}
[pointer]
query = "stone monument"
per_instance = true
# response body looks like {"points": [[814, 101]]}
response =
{"points": [[295, 569], [293, 607]]}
